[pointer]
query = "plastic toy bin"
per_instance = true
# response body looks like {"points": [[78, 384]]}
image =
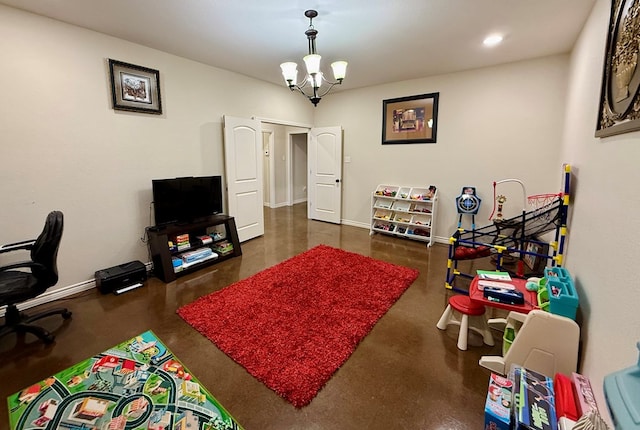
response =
{"points": [[559, 295], [507, 339], [386, 191], [557, 272]]}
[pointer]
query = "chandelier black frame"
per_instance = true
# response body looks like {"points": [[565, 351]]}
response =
{"points": [[314, 78]]}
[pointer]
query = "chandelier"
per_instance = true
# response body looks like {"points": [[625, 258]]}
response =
{"points": [[310, 85]]}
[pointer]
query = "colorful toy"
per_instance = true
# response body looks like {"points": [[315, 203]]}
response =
{"points": [[137, 384], [468, 203], [535, 283], [621, 391], [513, 237], [431, 192], [497, 409], [501, 201]]}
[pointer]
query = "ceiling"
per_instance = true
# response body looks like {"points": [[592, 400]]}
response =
{"points": [[383, 40]]}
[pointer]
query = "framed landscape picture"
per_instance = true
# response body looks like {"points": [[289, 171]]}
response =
{"points": [[412, 119], [135, 88]]}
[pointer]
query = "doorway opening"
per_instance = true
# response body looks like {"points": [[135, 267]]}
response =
{"points": [[285, 167], [297, 177], [245, 148]]}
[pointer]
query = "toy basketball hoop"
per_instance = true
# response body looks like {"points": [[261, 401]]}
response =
{"points": [[539, 201]]}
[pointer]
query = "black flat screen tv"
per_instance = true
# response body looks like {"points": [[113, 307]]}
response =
{"points": [[186, 199]]}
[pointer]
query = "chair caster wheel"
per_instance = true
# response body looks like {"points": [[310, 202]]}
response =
{"points": [[66, 315]]}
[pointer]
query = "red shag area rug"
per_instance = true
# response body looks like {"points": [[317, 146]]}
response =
{"points": [[294, 324]]}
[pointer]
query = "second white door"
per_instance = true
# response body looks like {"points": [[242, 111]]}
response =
{"points": [[325, 174]]}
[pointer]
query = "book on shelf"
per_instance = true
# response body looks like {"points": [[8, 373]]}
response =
{"points": [[197, 254], [211, 256], [183, 246], [182, 237]]}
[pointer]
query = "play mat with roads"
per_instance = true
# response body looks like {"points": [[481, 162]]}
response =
{"points": [[138, 384]]}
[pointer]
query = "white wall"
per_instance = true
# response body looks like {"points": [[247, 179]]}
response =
{"points": [[493, 123], [604, 235], [64, 147]]}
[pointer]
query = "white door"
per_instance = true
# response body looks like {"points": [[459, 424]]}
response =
{"points": [[325, 174], [243, 164]]}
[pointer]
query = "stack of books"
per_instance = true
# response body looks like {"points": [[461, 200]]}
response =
{"points": [[182, 242], [223, 248], [196, 255]]}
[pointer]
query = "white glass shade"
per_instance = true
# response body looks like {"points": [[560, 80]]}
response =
{"points": [[290, 72], [315, 80], [339, 69], [312, 61]]}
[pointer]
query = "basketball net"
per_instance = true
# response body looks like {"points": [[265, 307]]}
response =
{"points": [[539, 201]]}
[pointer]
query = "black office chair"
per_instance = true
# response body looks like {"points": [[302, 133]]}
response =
{"points": [[25, 280]]}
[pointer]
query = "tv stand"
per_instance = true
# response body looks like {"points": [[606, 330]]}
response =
{"points": [[162, 255]]}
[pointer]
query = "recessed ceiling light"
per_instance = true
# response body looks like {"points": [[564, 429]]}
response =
{"points": [[492, 40]]}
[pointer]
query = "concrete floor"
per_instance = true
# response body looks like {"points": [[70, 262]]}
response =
{"points": [[406, 374]]}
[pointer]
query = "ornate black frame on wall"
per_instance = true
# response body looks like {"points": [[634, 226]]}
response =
{"points": [[135, 88], [412, 119], [619, 109]]}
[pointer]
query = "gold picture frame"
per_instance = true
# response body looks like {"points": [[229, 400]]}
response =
{"points": [[619, 110], [412, 119], [135, 88]]}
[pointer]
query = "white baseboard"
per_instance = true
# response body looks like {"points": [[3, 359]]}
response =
{"points": [[59, 293], [440, 239], [355, 223], [53, 295]]}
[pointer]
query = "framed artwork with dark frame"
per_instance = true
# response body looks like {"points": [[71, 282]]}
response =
{"points": [[619, 110], [536, 261], [412, 119], [135, 88]]}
